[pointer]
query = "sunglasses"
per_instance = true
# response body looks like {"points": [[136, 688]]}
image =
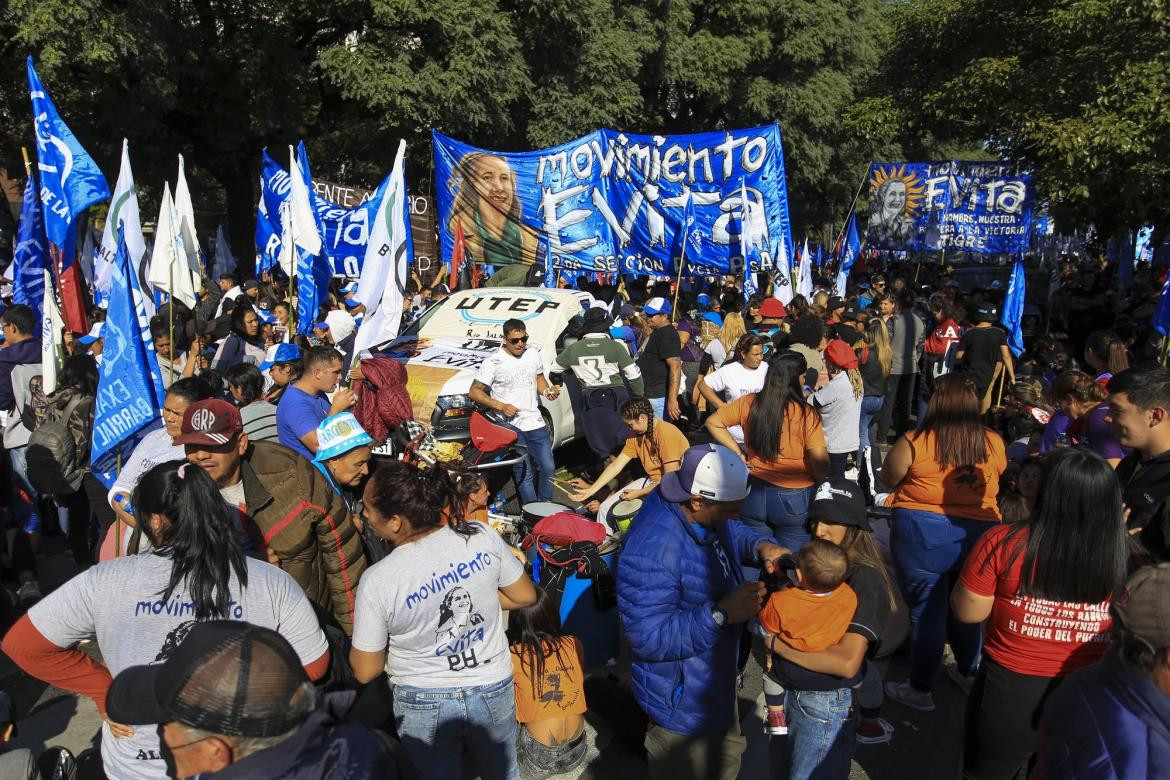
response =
{"points": [[520, 340]]}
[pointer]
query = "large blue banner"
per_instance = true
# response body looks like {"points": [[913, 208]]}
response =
{"points": [[613, 201], [30, 257], [344, 232], [970, 206]]}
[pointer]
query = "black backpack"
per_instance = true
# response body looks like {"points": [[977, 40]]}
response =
{"points": [[57, 461]]}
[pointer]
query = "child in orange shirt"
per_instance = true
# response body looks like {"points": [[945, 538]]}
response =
{"points": [[811, 615]]}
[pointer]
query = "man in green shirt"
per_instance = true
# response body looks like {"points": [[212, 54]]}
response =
{"points": [[603, 367]]}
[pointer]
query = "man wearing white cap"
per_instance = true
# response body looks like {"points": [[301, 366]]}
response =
{"points": [[93, 342], [684, 602], [340, 330], [661, 360]]}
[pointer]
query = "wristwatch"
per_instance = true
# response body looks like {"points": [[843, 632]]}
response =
{"points": [[719, 616]]}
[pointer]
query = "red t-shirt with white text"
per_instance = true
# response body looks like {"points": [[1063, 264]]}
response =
{"points": [[942, 338], [1029, 635]]}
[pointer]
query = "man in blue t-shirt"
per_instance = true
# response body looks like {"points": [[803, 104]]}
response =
{"points": [[305, 404]]}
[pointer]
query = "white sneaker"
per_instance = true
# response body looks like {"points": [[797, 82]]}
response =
{"points": [[28, 594], [960, 679], [907, 695]]}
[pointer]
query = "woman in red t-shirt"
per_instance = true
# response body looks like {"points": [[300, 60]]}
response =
{"points": [[1043, 626]]}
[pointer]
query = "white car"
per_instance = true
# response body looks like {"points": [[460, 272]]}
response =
{"points": [[445, 346]]}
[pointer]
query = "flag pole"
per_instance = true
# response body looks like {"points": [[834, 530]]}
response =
{"points": [[852, 205], [682, 260], [27, 161]]}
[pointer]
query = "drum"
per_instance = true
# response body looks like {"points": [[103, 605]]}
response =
{"points": [[623, 512], [605, 511]]}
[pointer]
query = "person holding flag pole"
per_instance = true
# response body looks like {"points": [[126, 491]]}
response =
{"points": [[1012, 317], [688, 234]]}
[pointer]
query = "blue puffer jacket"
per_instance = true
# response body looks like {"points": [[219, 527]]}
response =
{"points": [[1107, 722], [670, 576]]}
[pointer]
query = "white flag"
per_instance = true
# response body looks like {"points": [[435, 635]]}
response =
{"points": [[123, 212], [169, 271], [185, 224], [383, 281], [782, 283], [52, 339], [298, 224], [804, 285]]}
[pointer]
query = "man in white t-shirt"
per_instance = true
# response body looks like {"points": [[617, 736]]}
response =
{"points": [[514, 375], [743, 376]]}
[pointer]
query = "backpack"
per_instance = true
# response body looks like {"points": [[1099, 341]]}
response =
{"points": [[56, 460]]}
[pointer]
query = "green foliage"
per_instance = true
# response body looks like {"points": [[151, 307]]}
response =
{"points": [[1076, 88]]}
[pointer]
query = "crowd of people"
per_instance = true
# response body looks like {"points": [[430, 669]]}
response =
{"points": [[820, 482]]}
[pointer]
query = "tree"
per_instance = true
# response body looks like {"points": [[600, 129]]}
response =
{"points": [[1075, 90], [216, 80]]}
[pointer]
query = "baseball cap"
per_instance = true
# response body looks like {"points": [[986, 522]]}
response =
{"points": [[280, 353], [350, 303], [349, 287], [772, 309], [226, 676], [850, 313], [835, 302], [657, 306], [340, 324], [1144, 610], [338, 435], [250, 284], [94, 334], [841, 354], [708, 470], [986, 313], [840, 502], [703, 299], [212, 422]]}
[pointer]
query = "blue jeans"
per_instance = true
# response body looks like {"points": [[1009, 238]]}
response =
{"points": [[821, 735], [22, 507], [929, 550], [534, 472], [870, 406], [659, 407], [436, 725], [778, 512]]}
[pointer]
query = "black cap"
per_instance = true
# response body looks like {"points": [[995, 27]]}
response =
{"points": [[986, 313], [835, 302], [850, 313], [597, 320], [250, 284], [838, 502], [225, 676]]}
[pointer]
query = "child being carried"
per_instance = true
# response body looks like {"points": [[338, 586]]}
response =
{"points": [[811, 612]]}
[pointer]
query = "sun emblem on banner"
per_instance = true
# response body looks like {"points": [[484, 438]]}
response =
{"points": [[895, 187]]}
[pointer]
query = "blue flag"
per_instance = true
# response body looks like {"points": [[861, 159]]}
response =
{"points": [[130, 391], [1161, 318], [818, 256], [1013, 309], [689, 239], [313, 271], [70, 180], [31, 255], [850, 251]]}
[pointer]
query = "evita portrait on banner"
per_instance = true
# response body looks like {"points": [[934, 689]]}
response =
{"points": [[971, 206], [613, 201]]}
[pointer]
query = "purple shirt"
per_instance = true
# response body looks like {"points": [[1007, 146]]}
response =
{"points": [[1057, 425], [1097, 435]]}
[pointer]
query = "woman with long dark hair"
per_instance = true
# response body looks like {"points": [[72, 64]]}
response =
{"points": [[548, 667], [944, 479], [784, 448], [139, 607], [1044, 587], [875, 358], [431, 615], [244, 343]]}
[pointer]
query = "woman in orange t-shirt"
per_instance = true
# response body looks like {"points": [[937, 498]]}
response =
{"points": [[945, 479], [784, 448], [549, 683], [1044, 587]]}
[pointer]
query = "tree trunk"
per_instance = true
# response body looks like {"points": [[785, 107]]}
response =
{"points": [[240, 191]]}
